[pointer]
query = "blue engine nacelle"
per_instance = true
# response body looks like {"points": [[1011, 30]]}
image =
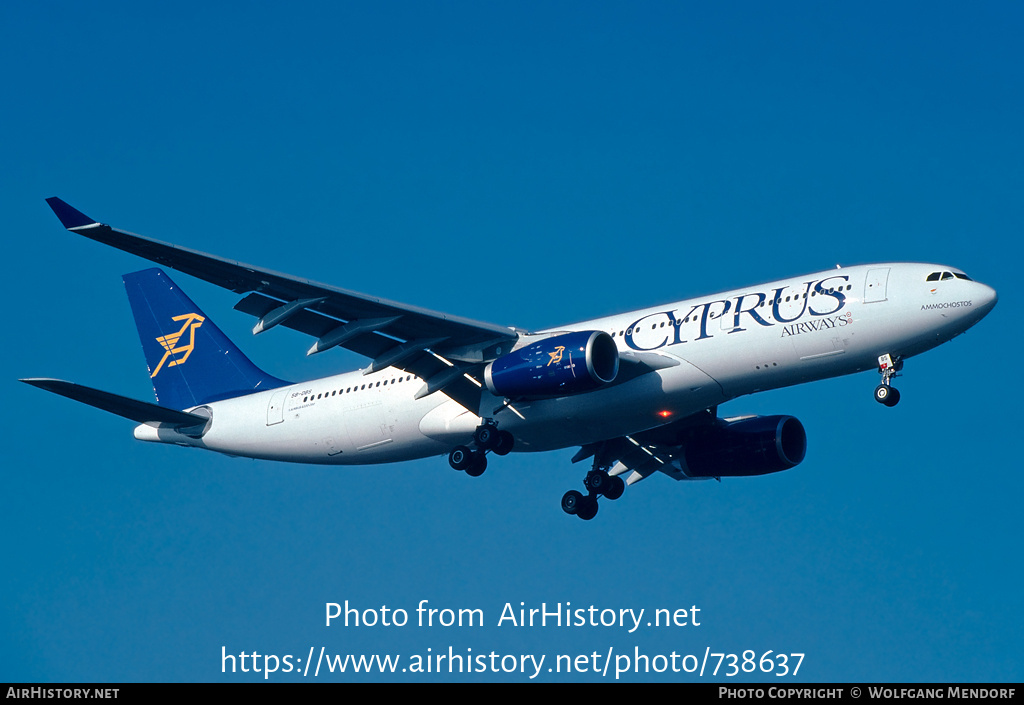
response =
{"points": [[753, 446], [564, 364]]}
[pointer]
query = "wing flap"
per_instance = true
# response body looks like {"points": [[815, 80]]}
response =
{"points": [[384, 350], [303, 321]]}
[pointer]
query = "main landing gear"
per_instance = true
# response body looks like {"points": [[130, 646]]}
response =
{"points": [[597, 482], [487, 437], [888, 367]]}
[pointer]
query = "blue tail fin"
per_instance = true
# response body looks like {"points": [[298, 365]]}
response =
{"points": [[191, 362]]}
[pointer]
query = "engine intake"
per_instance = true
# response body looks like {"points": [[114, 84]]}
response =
{"points": [[564, 364], [753, 446]]}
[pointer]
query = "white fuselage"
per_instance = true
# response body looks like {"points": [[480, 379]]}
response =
{"points": [[708, 350]]}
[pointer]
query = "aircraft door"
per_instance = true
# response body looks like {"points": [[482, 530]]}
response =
{"points": [[275, 410], [875, 285]]}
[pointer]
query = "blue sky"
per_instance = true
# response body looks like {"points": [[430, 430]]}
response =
{"points": [[528, 165]]}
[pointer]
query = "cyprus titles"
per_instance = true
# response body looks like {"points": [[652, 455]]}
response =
{"points": [[822, 300]]}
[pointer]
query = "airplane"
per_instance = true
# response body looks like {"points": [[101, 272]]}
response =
{"points": [[638, 392]]}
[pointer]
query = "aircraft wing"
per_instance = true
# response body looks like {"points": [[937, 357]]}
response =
{"points": [[393, 334]]}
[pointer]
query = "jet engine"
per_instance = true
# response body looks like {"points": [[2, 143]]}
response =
{"points": [[563, 364], [755, 445]]}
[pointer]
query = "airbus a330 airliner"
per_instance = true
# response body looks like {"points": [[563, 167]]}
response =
{"points": [[637, 392]]}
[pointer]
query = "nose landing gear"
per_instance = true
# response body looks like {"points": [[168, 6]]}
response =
{"points": [[885, 393]]}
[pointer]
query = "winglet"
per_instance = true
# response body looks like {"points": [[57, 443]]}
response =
{"points": [[69, 217]]}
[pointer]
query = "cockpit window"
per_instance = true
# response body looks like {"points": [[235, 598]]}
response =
{"points": [[943, 276]]}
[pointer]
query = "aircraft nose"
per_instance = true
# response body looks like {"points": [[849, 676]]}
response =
{"points": [[985, 298]]}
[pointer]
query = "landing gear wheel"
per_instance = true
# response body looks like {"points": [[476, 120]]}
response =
{"points": [[574, 502], [504, 443], [884, 394], [478, 465], [486, 437], [616, 487], [460, 458], [881, 393], [597, 481], [571, 502], [588, 508], [894, 397]]}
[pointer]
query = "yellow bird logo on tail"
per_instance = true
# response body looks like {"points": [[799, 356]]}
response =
{"points": [[170, 342]]}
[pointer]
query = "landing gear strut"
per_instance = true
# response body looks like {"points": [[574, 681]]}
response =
{"points": [[598, 482], [888, 367], [487, 437]]}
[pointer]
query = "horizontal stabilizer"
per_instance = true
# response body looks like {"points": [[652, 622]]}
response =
{"points": [[138, 411]]}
